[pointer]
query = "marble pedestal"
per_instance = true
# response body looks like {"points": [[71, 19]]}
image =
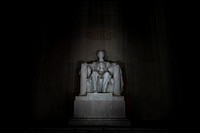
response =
{"points": [[99, 109]]}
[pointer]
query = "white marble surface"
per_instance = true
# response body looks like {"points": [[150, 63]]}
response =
{"points": [[99, 105]]}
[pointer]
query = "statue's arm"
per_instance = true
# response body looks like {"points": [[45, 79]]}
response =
{"points": [[83, 68], [91, 65], [90, 69], [117, 76], [111, 67]]}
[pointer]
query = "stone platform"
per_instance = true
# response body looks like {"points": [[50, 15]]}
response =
{"points": [[99, 109]]}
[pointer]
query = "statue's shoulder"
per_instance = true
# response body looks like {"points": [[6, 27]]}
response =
{"points": [[108, 64], [114, 64], [92, 64]]}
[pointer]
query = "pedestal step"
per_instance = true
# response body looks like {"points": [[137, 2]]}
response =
{"points": [[100, 122]]}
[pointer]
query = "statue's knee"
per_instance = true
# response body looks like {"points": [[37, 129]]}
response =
{"points": [[106, 74]]}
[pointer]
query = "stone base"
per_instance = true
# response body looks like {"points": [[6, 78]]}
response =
{"points": [[100, 122], [99, 105], [99, 109]]}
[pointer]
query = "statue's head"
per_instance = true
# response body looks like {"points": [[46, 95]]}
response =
{"points": [[100, 54]]}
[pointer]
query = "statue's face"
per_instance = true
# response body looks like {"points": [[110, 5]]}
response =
{"points": [[100, 54]]}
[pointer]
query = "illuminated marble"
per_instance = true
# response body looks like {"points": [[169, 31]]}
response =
{"points": [[101, 76]]}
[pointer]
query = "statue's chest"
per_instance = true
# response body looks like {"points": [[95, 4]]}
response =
{"points": [[101, 66]]}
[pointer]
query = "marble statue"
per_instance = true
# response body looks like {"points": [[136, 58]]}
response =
{"points": [[101, 76]]}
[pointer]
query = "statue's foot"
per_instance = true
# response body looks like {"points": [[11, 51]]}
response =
{"points": [[95, 91], [104, 90]]}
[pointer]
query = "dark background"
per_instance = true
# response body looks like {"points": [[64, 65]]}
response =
{"points": [[151, 61]]}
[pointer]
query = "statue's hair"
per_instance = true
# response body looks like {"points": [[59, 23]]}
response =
{"points": [[100, 51]]}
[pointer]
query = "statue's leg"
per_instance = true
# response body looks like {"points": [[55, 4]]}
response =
{"points": [[106, 78], [95, 77]]}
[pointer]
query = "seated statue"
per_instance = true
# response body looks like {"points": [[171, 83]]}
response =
{"points": [[101, 76]]}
